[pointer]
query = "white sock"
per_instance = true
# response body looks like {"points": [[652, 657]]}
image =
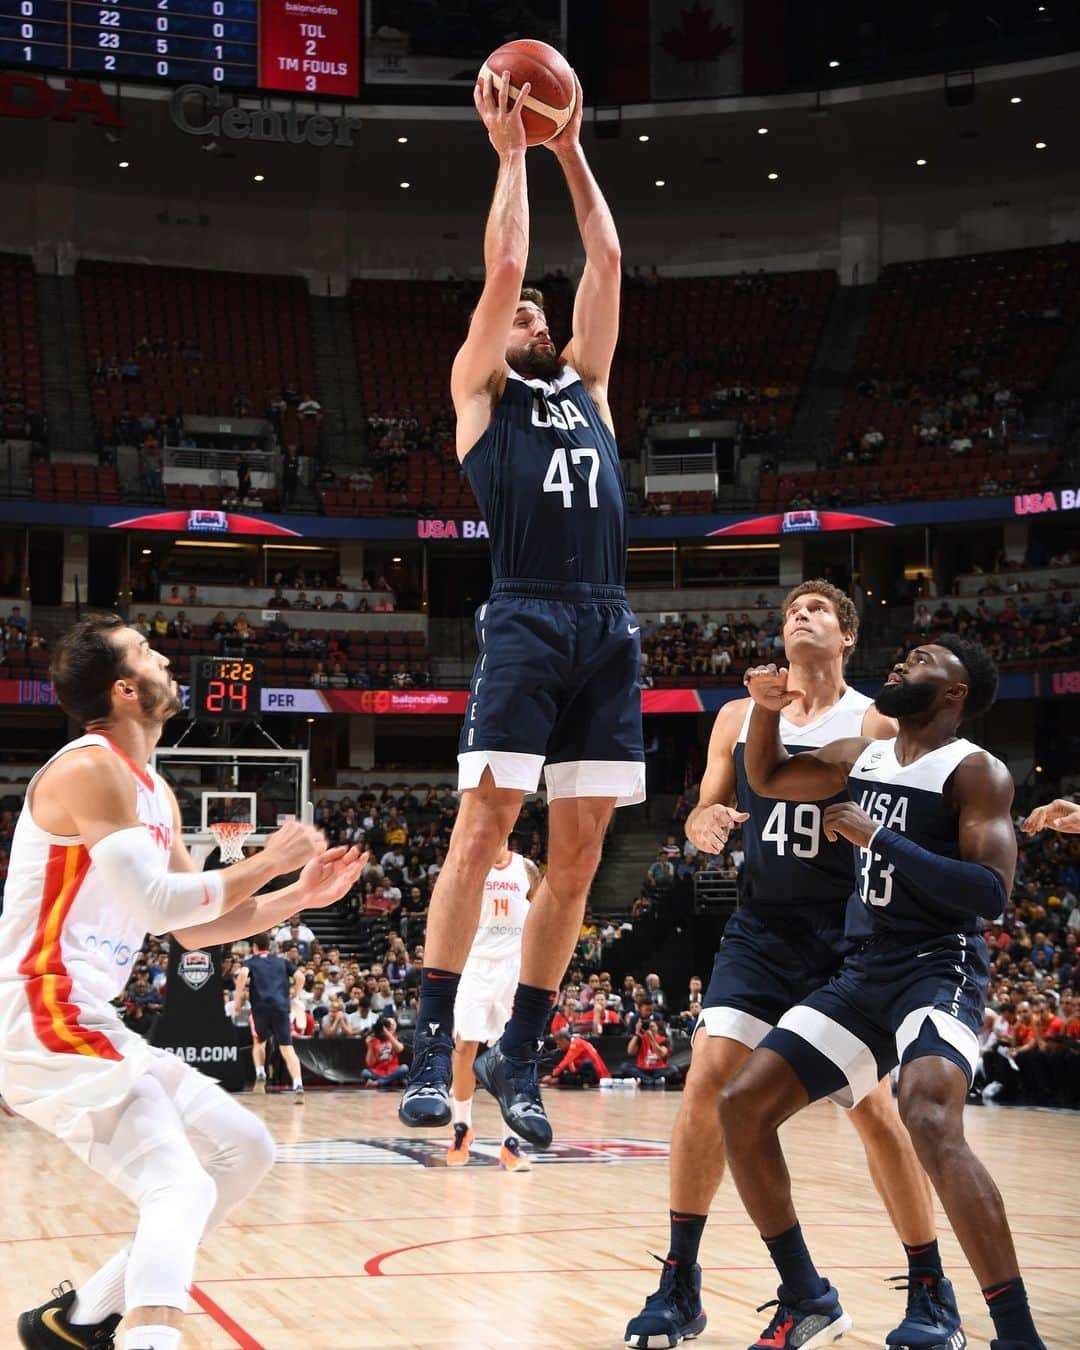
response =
{"points": [[152, 1338], [463, 1112], [260, 1073], [102, 1295], [298, 1085]]}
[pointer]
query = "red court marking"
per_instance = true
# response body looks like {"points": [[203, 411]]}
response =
{"points": [[224, 1321]]}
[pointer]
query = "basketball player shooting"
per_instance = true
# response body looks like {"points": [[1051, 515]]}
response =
{"points": [[557, 678], [785, 940], [486, 992], [930, 816], [97, 860]]}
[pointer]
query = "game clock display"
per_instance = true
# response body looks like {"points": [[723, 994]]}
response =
{"points": [[225, 689]]}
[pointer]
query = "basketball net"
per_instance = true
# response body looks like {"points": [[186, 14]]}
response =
{"points": [[230, 836]]}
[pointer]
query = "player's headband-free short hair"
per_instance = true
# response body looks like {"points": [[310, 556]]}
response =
{"points": [[86, 664], [846, 613], [979, 668]]}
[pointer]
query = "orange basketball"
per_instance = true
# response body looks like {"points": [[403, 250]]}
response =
{"points": [[550, 102]]}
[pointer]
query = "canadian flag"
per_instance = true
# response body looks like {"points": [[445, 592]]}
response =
{"points": [[687, 49]]}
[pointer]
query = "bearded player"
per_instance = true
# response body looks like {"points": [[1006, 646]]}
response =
{"points": [[97, 860], [557, 681], [785, 940]]}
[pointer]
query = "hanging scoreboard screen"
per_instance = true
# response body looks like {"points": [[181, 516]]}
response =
{"points": [[302, 46], [225, 689]]}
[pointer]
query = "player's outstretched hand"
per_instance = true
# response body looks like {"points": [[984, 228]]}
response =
{"points": [[769, 687], [710, 828], [570, 136], [848, 820], [294, 845], [505, 129], [330, 875], [1059, 814]]}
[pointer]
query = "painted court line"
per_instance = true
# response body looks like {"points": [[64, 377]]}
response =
{"points": [[224, 1321]]}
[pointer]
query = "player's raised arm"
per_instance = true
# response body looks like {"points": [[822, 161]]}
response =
{"points": [[480, 366], [596, 305], [716, 814], [810, 776]]}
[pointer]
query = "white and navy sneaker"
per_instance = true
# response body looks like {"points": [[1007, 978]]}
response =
{"points": [[673, 1313], [803, 1325], [515, 1085], [425, 1102], [932, 1319]]}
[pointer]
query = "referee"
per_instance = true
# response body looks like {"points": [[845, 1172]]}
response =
{"points": [[273, 982]]}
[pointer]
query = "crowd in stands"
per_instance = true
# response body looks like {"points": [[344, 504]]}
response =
{"points": [[708, 649], [1027, 630]]}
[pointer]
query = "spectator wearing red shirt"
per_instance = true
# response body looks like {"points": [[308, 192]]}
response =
{"points": [[382, 1067], [650, 1046], [593, 1021], [580, 1065]]}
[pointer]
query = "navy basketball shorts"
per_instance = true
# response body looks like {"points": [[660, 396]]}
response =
{"points": [[272, 1022], [557, 686], [765, 966], [894, 1001]]}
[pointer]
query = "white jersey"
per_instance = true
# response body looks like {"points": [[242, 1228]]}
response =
{"points": [[66, 949], [502, 918]]}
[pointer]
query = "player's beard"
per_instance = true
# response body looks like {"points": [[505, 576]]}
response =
{"points": [[536, 363], [906, 699], [159, 700]]}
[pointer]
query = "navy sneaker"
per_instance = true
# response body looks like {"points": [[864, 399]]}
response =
{"points": [[514, 1084], [426, 1099], [804, 1325], [673, 1313], [47, 1327], [931, 1320], [1015, 1345]]}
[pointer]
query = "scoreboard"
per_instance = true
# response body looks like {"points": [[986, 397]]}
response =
{"points": [[302, 46]]}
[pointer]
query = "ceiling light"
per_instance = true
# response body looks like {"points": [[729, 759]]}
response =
{"points": [[920, 162], [404, 185], [124, 164], [310, 720], [1040, 145], [146, 553], [396, 560], [763, 131], [403, 140], [1016, 99], [660, 182], [643, 137], [260, 178], [774, 175], [833, 65]]}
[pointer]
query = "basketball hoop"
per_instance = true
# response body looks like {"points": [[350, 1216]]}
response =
{"points": [[230, 836]]}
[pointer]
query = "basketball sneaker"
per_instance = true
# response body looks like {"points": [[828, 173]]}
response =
{"points": [[260, 1084], [673, 1313], [807, 1325], [514, 1084], [511, 1158], [457, 1155], [47, 1327], [426, 1099], [298, 1096], [931, 1320]]}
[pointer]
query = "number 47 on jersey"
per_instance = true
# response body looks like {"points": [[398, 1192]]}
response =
{"points": [[559, 479]]}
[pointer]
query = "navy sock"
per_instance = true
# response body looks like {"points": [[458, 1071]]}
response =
{"points": [[792, 1259], [1008, 1306], [528, 1021], [438, 990], [924, 1260], [686, 1231]]}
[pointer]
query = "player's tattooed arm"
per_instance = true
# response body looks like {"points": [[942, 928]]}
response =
{"points": [[810, 776], [714, 817]]}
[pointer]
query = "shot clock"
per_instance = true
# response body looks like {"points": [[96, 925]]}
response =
{"points": [[225, 689]]}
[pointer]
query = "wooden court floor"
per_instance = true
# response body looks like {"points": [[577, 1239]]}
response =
{"points": [[352, 1242]]}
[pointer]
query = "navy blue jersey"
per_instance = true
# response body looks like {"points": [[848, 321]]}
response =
{"points": [[270, 978], [908, 799], [546, 476], [789, 863]]}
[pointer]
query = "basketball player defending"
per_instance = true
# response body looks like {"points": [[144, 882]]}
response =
{"points": [[930, 815], [486, 994], [785, 940], [96, 861], [557, 678]]}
